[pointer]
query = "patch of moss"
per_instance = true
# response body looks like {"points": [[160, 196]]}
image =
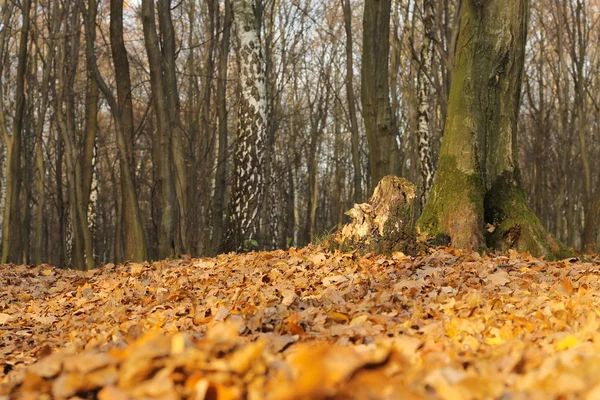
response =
{"points": [[453, 192]]}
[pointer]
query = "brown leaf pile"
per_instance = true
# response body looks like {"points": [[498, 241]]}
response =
{"points": [[303, 324]]}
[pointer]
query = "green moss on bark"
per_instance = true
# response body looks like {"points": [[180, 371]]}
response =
{"points": [[455, 208], [516, 224]]}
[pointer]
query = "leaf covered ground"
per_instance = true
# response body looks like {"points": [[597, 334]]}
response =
{"points": [[304, 324]]}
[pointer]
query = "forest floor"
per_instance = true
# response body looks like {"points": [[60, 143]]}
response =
{"points": [[304, 324]]}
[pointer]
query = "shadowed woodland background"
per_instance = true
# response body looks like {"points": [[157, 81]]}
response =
{"points": [[110, 106]]}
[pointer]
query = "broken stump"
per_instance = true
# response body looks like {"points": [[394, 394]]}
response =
{"points": [[386, 223]]}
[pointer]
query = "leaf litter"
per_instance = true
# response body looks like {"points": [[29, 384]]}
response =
{"points": [[304, 324]]}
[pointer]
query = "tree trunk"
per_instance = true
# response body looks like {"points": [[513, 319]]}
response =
{"points": [[269, 227], [352, 102], [11, 229], [313, 181], [221, 100], [134, 246], [39, 155], [248, 174], [212, 29], [590, 231], [168, 198], [375, 93], [174, 115], [424, 97], [478, 179], [91, 127]]}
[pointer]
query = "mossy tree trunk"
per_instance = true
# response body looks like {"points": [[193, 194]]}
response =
{"points": [[478, 179]]}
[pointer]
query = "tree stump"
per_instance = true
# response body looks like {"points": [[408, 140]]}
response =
{"points": [[386, 223]]}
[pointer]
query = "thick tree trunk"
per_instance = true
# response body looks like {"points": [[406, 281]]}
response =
{"points": [[375, 93], [478, 179], [248, 176]]}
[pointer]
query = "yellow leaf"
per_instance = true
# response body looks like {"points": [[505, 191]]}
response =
{"points": [[451, 332], [567, 342], [339, 317], [356, 321], [494, 341], [178, 344], [506, 333]]}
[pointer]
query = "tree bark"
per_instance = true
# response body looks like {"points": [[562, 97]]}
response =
{"points": [[39, 155], [375, 93], [174, 115], [91, 127], [347, 8], [10, 238], [269, 213], [221, 100], [248, 175], [478, 178], [207, 131], [424, 98], [166, 182], [134, 246]]}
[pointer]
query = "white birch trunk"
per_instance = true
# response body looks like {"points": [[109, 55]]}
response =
{"points": [[248, 175], [424, 95], [93, 200]]}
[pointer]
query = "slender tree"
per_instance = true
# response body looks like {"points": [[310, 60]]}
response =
{"points": [[47, 62], [353, 120], [12, 140], [122, 111], [167, 236], [221, 100], [424, 94], [174, 116]]}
